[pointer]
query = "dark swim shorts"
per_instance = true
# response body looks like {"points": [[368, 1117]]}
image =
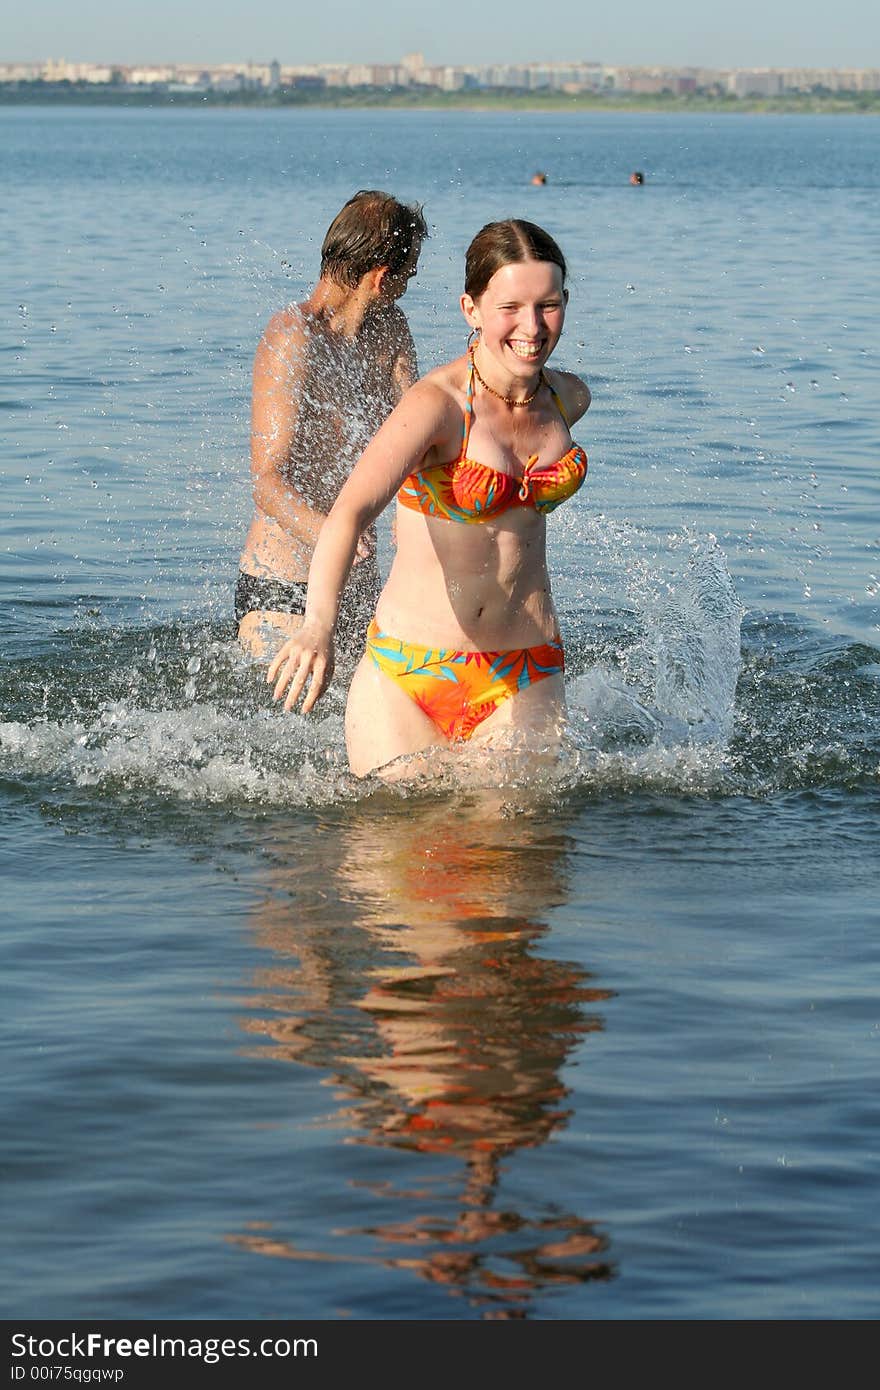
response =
{"points": [[255, 594]]}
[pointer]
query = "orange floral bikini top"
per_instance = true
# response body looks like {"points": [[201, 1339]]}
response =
{"points": [[464, 490]]}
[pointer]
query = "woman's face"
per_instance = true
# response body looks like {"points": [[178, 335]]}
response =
{"points": [[520, 315]]}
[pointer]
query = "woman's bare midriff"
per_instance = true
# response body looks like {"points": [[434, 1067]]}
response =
{"points": [[501, 597]]}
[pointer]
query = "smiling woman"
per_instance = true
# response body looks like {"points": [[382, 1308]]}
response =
{"points": [[465, 642]]}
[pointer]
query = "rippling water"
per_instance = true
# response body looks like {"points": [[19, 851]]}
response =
{"points": [[593, 1036]]}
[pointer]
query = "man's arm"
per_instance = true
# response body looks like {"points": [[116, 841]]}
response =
{"points": [[405, 364], [279, 367]]}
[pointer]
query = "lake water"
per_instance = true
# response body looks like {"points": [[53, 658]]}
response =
{"points": [[598, 1041]]}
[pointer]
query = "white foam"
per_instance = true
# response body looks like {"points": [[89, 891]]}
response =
{"points": [[194, 754], [659, 711]]}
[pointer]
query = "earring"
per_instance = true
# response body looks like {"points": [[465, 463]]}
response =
{"points": [[474, 333]]}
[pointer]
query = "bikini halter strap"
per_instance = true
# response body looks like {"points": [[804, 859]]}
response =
{"points": [[468, 412], [559, 406], [469, 406]]}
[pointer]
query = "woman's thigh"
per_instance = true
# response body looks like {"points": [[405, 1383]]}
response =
{"points": [[538, 710], [382, 722]]}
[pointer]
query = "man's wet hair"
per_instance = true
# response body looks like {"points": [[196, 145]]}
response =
{"points": [[372, 230]]}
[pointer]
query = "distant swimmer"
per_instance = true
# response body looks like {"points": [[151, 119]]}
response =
{"points": [[326, 374], [637, 177], [539, 178]]}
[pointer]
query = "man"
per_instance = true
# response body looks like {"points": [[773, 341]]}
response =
{"points": [[326, 374]]}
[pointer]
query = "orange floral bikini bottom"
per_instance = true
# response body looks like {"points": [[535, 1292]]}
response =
{"points": [[458, 690]]}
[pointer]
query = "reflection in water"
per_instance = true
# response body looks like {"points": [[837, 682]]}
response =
{"points": [[408, 971]]}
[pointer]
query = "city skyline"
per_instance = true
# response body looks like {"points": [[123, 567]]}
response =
{"points": [[686, 33], [413, 75]]}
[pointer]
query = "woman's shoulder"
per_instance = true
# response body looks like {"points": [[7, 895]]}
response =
{"points": [[444, 386], [429, 413], [572, 390]]}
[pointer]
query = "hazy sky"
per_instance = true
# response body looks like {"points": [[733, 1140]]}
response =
{"points": [[743, 33]]}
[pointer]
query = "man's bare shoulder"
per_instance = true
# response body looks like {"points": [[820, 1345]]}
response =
{"points": [[288, 326], [388, 331], [391, 319]]}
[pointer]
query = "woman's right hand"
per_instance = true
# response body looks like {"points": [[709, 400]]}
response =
{"points": [[308, 653]]}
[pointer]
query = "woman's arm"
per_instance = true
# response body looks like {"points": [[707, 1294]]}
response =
{"points": [[425, 418], [277, 397]]}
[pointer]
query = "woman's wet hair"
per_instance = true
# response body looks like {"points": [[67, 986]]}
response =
{"points": [[372, 230], [507, 243]]}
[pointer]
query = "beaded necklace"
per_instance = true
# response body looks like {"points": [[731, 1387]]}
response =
{"points": [[508, 400]]}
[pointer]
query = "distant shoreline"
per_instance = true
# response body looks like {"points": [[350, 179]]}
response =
{"points": [[361, 99]]}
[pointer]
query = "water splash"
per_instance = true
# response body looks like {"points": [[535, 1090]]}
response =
{"points": [[697, 648], [663, 707], [199, 754], [173, 712], [658, 699]]}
